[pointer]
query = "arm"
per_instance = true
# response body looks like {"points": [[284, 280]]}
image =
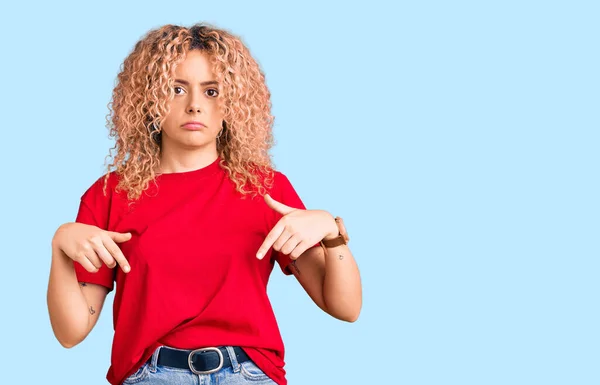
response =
{"points": [[331, 278], [74, 308]]}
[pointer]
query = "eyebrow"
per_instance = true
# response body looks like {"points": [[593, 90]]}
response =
{"points": [[207, 83]]}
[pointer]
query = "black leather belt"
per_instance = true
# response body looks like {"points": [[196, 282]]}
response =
{"points": [[199, 361]]}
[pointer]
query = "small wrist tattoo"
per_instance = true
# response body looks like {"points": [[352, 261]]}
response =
{"points": [[92, 311]]}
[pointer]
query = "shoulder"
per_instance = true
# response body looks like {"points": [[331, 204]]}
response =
{"points": [[273, 181], [97, 189], [283, 191], [280, 177], [280, 183]]}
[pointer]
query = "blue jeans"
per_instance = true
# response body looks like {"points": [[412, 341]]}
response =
{"points": [[239, 373]]}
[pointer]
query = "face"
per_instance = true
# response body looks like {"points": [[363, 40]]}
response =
{"points": [[196, 99]]}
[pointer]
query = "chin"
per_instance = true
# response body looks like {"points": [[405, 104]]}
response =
{"points": [[199, 144]]}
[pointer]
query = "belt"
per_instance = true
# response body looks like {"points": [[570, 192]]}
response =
{"points": [[200, 361]]}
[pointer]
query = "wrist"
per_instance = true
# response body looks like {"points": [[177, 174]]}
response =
{"points": [[332, 235], [337, 238], [334, 231], [59, 256], [58, 235]]}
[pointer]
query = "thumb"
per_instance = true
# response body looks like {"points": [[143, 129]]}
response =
{"points": [[120, 237], [278, 206]]}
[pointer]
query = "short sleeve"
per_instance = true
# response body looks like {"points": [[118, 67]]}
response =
{"points": [[93, 210], [284, 192]]}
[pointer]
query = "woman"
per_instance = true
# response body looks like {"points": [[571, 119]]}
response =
{"points": [[195, 217]]}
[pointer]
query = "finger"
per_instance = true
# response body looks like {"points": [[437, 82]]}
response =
{"points": [[89, 260], [87, 264], [299, 250], [278, 206], [101, 251], [88, 252], [270, 239], [117, 254], [282, 240], [119, 237], [291, 244]]}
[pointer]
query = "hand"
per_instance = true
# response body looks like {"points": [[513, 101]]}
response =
{"points": [[297, 230], [91, 246]]}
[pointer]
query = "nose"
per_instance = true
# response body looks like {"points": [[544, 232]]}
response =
{"points": [[194, 103], [193, 107]]}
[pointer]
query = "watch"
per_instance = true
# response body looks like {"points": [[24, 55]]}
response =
{"points": [[341, 239]]}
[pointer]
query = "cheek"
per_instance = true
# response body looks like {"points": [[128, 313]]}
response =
{"points": [[169, 126], [215, 116], [171, 118]]}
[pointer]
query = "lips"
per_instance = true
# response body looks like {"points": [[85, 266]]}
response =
{"points": [[193, 125]]}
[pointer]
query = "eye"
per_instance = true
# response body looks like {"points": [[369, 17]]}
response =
{"points": [[176, 88], [215, 92]]}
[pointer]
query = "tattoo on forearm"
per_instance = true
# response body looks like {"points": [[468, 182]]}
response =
{"points": [[295, 267], [341, 257], [92, 311]]}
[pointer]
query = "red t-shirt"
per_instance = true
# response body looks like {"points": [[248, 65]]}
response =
{"points": [[195, 280]]}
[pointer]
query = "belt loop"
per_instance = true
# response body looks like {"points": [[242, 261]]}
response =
{"points": [[154, 359], [235, 365]]}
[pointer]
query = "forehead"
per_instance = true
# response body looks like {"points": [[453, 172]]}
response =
{"points": [[195, 66]]}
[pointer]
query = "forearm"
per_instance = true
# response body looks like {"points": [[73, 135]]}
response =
{"points": [[342, 290], [67, 306]]}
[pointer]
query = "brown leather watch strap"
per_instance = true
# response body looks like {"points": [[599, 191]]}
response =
{"points": [[341, 239]]}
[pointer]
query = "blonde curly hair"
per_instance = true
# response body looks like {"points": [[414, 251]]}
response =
{"points": [[145, 86]]}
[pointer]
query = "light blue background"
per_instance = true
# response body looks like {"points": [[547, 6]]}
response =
{"points": [[459, 141]]}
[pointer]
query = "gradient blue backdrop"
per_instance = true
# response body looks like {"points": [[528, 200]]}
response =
{"points": [[459, 141]]}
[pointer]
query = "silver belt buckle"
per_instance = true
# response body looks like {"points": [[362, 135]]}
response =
{"points": [[191, 364]]}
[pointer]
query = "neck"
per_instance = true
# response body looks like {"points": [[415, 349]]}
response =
{"points": [[183, 160]]}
